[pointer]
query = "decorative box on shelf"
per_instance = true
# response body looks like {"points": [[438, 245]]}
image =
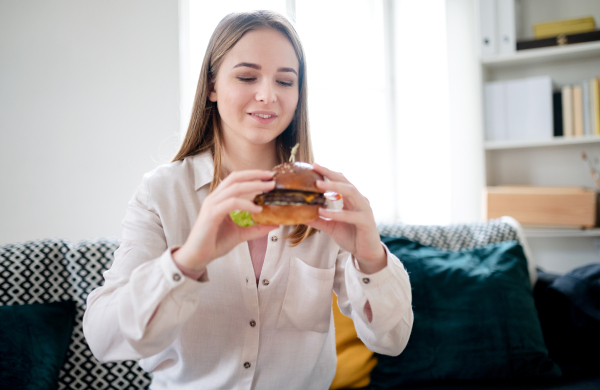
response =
{"points": [[543, 206]]}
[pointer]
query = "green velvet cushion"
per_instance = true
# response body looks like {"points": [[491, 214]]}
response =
{"points": [[33, 344], [475, 318]]}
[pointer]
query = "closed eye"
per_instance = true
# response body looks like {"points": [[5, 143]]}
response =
{"points": [[251, 79]]}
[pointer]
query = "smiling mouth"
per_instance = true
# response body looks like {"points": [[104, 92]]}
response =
{"points": [[264, 116]]}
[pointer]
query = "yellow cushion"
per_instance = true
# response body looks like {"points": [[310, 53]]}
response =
{"points": [[354, 360]]}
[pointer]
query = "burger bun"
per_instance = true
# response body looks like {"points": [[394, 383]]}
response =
{"points": [[286, 214]]}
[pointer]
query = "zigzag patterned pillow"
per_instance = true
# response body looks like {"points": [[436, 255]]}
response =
{"points": [[53, 270], [453, 237]]}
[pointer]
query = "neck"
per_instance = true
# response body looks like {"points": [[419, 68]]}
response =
{"points": [[249, 157]]}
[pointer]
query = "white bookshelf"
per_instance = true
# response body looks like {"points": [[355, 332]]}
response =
{"points": [[538, 56], [553, 162], [542, 232], [557, 141]]}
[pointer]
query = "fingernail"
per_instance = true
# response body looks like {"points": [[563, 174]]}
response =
{"points": [[258, 209]]}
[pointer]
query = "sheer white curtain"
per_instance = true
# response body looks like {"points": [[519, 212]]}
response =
{"points": [[348, 93], [421, 109]]}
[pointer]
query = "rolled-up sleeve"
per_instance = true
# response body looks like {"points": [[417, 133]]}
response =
{"points": [[388, 292], [146, 298]]}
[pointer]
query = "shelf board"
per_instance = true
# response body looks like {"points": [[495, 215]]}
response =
{"points": [[557, 141], [536, 56], [541, 232]]}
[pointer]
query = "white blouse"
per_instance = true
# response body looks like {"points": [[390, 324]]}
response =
{"points": [[224, 332]]}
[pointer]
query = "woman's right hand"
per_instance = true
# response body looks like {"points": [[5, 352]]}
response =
{"points": [[214, 234]]}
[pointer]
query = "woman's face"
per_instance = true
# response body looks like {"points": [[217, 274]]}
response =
{"points": [[257, 88]]}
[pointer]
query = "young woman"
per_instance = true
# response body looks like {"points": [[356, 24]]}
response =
{"points": [[206, 304]]}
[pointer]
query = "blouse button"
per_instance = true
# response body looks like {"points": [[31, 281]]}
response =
{"points": [[247, 365], [366, 280], [176, 277], [274, 238], [265, 282], [253, 323]]}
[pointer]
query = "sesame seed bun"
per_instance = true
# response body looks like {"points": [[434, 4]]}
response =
{"points": [[298, 176]]}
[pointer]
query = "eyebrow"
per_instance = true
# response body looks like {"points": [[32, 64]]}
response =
{"points": [[258, 67]]}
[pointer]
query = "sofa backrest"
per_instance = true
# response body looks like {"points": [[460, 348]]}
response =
{"points": [[51, 270], [453, 237]]}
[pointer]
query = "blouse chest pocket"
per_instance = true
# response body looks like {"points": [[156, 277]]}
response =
{"points": [[307, 301]]}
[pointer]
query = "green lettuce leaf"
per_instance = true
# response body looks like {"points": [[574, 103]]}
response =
{"points": [[241, 218]]}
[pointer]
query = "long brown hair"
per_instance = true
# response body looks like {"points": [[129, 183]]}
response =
{"points": [[204, 131]]}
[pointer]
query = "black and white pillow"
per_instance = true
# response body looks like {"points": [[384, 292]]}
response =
{"points": [[453, 237], [53, 270]]}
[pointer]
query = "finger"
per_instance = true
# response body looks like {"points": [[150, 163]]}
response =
{"points": [[256, 231], [346, 216], [352, 198], [224, 208], [322, 225], [331, 175], [247, 175], [245, 188]]}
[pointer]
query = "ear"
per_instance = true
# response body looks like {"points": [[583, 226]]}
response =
{"points": [[212, 94]]}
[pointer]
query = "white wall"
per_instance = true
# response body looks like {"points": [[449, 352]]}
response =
{"points": [[88, 103]]}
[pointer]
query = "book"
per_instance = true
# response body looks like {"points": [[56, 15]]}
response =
{"points": [[529, 109], [567, 106], [507, 42], [564, 27], [596, 103], [488, 29], [557, 115], [585, 88], [495, 111], [559, 40], [577, 111], [592, 110]]}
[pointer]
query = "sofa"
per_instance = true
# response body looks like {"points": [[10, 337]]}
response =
{"points": [[42, 273]]}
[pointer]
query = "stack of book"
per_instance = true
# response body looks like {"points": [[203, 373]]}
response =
{"points": [[577, 109], [564, 27], [497, 30], [561, 32]]}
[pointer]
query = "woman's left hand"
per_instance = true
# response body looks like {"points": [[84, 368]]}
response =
{"points": [[352, 228]]}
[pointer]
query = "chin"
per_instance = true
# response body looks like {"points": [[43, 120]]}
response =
{"points": [[263, 138]]}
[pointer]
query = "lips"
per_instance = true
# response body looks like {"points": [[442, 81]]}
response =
{"points": [[263, 116]]}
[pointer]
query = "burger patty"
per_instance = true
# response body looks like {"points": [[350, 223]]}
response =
{"points": [[287, 197]]}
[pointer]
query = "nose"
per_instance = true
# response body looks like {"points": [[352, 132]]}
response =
{"points": [[266, 93]]}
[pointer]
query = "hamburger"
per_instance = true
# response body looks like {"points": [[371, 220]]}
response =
{"points": [[294, 200]]}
